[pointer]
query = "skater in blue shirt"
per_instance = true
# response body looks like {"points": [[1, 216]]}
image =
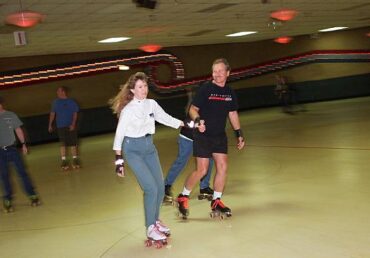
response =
{"points": [[65, 111]]}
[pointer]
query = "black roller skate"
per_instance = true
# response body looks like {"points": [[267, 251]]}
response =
{"points": [[183, 205], [76, 164], [205, 193], [219, 209], [7, 206], [155, 237], [168, 199], [35, 201], [64, 166]]}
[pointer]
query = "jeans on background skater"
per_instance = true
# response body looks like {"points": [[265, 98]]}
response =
{"points": [[142, 157], [185, 151], [11, 154]]}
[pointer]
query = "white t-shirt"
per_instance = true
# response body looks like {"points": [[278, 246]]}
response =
{"points": [[138, 118]]}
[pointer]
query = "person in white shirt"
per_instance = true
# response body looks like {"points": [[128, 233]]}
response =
{"points": [[133, 140]]}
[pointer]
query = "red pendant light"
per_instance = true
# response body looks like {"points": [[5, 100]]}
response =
{"points": [[24, 19], [283, 40], [284, 14], [150, 48]]}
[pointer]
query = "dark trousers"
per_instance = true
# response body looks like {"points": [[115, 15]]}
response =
{"points": [[7, 156]]}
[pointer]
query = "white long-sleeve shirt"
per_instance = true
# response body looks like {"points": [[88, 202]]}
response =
{"points": [[138, 119]]}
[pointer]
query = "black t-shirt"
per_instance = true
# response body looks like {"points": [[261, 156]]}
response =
{"points": [[215, 103]]}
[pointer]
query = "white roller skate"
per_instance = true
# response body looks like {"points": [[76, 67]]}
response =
{"points": [[155, 237], [163, 228]]}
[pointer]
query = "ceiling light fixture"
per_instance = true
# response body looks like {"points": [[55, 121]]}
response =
{"points": [[283, 40], [284, 14], [24, 19], [123, 67], [150, 48], [113, 40], [333, 29], [241, 33]]}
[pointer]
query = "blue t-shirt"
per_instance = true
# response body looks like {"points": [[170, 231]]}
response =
{"points": [[64, 109]]}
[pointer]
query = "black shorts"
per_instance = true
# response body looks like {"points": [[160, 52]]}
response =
{"points": [[204, 146], [67, 137]]}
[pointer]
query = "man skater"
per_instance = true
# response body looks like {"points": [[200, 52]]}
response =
{"points": [[10, 123], [213, 103], [65, 110]]}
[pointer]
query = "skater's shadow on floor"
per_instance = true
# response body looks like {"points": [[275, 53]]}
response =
{"points": [[245, 211], [270, 208]]}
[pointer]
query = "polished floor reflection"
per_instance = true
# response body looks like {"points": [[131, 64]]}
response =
{"points": [[300, 189]]}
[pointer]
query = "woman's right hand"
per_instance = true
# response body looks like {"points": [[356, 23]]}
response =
{"points": [[120, 166]]}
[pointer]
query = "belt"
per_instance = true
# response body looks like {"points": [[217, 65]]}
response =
{"points": [[7, 147]]}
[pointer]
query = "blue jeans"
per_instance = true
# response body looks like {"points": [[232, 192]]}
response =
{"points": [[7, 156], [142, 157], [185, 151]]}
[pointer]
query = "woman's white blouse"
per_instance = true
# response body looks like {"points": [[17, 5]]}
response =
{"points": [[138, 119]]}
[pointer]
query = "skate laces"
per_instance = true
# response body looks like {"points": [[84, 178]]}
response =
{"points": [[219, 203], [159, 224], [155, 231]]}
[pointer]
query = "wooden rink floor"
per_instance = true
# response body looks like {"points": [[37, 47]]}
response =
{"points": [[300, 189]]}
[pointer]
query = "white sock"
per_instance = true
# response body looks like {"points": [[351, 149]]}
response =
{"points": [[64, 158], [186, 191], [74, 157], [216, 195]]}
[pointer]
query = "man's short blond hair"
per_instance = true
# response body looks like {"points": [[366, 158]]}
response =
{"points": [[222, 61]]}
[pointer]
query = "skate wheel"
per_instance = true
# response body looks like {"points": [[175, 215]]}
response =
{"points": [[158, 245], [148, 243], [222, 216], [184, 217]]}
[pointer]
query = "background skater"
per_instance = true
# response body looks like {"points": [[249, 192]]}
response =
{"points": [[10, 123]]}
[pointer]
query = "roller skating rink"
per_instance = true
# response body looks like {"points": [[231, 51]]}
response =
{"points": [[300, 189]]}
